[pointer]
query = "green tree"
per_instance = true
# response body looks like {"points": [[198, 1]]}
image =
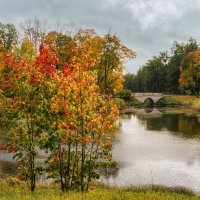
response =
{"points": [[8, 36], [151, 77], [162, 72], [129, 81], [124, 94], [178, 52], [26, 51]]}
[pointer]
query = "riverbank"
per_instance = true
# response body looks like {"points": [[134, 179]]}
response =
{"points": [[14, 189], [188, 101]]}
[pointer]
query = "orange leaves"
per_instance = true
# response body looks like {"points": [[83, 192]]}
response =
{"points": [[86, 115], [190, 72], [58, 107]]}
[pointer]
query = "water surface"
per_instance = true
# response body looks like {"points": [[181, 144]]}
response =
{"points": [[157, 148]]}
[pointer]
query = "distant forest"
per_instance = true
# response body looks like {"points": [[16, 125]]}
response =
{"points": [[175, 72]]}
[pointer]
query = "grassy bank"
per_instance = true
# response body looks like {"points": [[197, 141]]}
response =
{"points": [[192, 102], [16, 190], [123, 104], [168, 101], [188, 101]]}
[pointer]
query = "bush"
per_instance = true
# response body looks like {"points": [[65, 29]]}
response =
{"points": [[135, 102], [120, 103], [167, 101], [124, 94]]}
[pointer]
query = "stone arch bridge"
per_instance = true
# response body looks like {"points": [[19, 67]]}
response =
{"points": [[151, 96]]}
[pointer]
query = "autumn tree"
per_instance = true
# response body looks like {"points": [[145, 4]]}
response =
{"points": [[25, 92], [111, 64], [60, 111], [56, 99], [108, 51], [62, 43], [26, 51], [85, 120], [190, 73], [110, 56]]}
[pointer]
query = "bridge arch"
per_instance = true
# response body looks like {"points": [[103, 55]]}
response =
{"points": [[143, 96], [149, 102]]}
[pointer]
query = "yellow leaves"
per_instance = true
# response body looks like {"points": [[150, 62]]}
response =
{"points": [[26, 51], [85, 117], [1, 61], [55, 107], [190, 70], [79, 100], [64, 124]]}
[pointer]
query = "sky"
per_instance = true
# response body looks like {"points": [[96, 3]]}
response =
{"points": [[145, 26]]}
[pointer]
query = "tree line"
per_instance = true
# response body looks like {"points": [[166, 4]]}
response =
{"points": [[175, 72], [56, 97]]}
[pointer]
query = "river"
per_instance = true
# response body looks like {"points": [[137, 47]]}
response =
{"points": [[159, 147]]}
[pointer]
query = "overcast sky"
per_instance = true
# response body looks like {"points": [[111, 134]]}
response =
{"points": [[146, 26]]}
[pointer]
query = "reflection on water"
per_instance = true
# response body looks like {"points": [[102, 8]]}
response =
{"points": [[179, 124], [157, 148]]}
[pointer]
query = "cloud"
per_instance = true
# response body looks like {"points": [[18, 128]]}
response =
{"points": [[146, 26], [153, 13]]}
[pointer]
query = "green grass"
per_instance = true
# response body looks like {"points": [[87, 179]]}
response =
{"points": [[135, 102], [168, 101], [16, 190], [122, 104], [188, 101]]}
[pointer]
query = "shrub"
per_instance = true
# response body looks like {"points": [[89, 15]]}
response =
{"points": [[124, 94]]}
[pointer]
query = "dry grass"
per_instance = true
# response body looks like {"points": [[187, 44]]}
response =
{"points": [[13, 189], [188, 101]]}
